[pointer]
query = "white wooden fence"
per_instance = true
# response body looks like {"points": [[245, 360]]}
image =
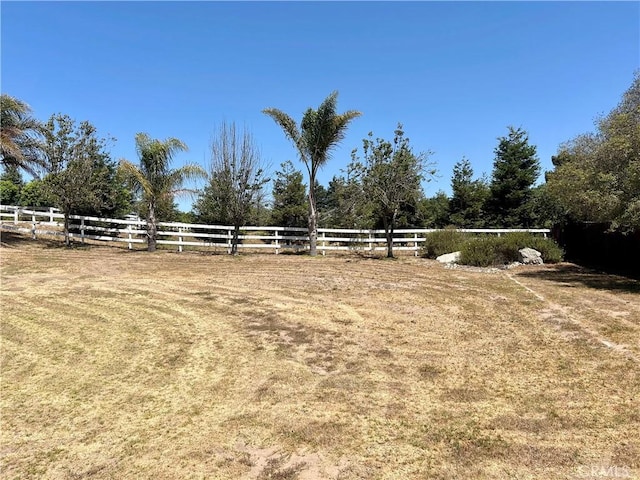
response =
{"points": [[132, 231]]}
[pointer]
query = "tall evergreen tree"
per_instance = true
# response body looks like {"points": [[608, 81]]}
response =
{"points": [[289, 197], [434, 211], [466, 206], [516, 168]]}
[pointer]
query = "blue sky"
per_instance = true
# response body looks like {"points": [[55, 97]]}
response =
{"points": [[456, 74]]}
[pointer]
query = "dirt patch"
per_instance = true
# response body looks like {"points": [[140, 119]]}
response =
{"points": [[273, 463]]}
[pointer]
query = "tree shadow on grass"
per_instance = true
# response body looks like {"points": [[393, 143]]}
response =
{"points": [[10, 239], [574, 275]]}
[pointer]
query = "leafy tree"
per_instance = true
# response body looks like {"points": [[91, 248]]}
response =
{"points": [[11, 184], [597, 175], [154, 180], [289, 197], [546, 212], [236, 179], [468, 197], [345, 203], [9, 193], [410, 214], [391, 176], [82, 176], [186, 217], [434, 211], [320, 131], [20, 136], [516, 168], [35, 194], [114, 198]]}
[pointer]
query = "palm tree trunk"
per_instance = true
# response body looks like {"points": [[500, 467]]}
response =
{"points": [[313, 219], [152, 228]]}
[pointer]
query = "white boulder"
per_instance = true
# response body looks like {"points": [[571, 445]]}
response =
{"points": [[529, 256], [449, 258]]}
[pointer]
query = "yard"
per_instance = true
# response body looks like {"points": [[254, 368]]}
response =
{"points": [[125, 364]]}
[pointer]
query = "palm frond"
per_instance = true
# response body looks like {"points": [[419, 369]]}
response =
{"points": [[181, 192], [340, 124], [135, 177], [9, 147], [156, 155], [324, 129], [20, 142], [290, 129], [320, 131], [186, 173]]}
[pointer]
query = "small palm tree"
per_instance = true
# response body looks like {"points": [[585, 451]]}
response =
{"points": [[155, 180], [320, 131], [20, 136]]}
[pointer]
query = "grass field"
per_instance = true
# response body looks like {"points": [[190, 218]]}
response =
{"points": [[119, 364]]}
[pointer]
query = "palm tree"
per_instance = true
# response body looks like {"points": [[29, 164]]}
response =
{"points": [[20, 133], [320, 131], [155, 180]]}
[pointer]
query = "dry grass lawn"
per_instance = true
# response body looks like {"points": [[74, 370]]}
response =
{"points": [[119, 364]]}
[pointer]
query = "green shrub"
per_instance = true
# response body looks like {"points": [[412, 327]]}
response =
{"points": [[488, 250], [482, 252], [443, 241], [493, 251], [550, 250]]}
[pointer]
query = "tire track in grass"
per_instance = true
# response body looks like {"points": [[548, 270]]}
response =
{"points": [[557, 315]]}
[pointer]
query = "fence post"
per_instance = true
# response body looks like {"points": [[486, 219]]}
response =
{"points": [[324, 252], [15, 216], [180, 239], [50, 214], [82, 230], [33, 226], [129, 232], [370, 241], [229, 242], [275, 232], [415, 244]]}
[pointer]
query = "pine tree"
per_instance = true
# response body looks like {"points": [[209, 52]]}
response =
{"points": [[515, 170], [289, 198], [467, 202]]}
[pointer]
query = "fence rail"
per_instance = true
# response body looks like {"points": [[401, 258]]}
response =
{"points": [[132, 231]]}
